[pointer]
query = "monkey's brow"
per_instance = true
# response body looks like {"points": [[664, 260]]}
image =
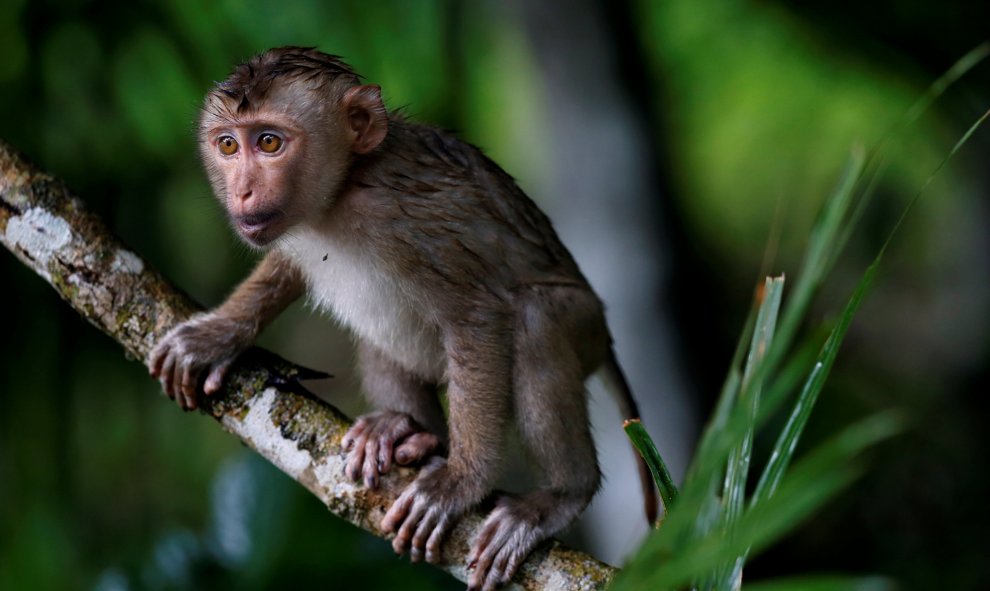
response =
{"points": [[253, 122]]}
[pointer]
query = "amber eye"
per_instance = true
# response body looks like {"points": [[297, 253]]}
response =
{"points": [[227, 145], [269, 142]]}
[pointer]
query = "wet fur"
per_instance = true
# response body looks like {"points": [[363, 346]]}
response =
{"points": [[446, 273]]}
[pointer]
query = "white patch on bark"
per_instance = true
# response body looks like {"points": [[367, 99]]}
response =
{"points": [[328, 473], [38, 234], [258, 429], [127, 262], [555, 581], [133, 324]]}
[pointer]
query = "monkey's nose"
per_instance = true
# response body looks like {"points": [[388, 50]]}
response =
{"points": [[245, 195]]}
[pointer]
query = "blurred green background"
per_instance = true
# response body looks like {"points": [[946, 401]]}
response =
{"points": [[745, 111]]}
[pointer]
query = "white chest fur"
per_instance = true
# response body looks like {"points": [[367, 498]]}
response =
{"points": [[351, 285]]}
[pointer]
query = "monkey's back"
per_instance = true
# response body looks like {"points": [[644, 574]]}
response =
{"points": [[462, 214]]}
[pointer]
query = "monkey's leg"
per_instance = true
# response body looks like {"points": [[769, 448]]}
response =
{"points": [[479, 397], [552, 418], [407, 425]]}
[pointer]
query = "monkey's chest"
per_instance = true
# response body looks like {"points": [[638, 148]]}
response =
{"points": [[349, 284]]}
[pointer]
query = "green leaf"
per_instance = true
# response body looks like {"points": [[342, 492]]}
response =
{"points": [[706, 541], [737, 468], [820, 253], [786, 443], [658, 468], [812, 482]]}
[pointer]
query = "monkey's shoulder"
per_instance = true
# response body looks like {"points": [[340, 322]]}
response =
{"points": [[450, 203]]}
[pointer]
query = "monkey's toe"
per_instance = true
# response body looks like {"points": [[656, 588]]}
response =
{"points": [[416, 448], [506, 539], [424, 513], [376, 438]]}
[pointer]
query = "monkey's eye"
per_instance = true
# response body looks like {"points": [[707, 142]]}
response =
{"points": [[227, 145], [269, 142]]}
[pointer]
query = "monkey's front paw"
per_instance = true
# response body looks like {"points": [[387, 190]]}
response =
{"points": [[424, 513], [198, 351], [507, 537], [376, 438]]}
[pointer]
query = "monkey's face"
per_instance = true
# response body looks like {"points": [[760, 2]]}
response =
{"points": [[282, 160], [264, 172]]}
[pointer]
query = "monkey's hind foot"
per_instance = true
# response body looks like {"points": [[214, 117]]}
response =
{"points": [[513, 529], [379, 438]]}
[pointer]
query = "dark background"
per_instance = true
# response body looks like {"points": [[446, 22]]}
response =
{"points": [[706, 124]]}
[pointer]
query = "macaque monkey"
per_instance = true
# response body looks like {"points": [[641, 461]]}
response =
{"points": [[446, 273]]}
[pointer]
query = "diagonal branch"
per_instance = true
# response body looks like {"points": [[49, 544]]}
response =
{"points": [[263, 404]]}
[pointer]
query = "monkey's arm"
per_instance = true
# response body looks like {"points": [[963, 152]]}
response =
{"points": [[209, 342]]}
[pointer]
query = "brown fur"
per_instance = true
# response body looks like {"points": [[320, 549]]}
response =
{"points": [[386, 220]]}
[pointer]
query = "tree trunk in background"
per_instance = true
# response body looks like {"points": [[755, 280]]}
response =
{"points": [[603, 198]]}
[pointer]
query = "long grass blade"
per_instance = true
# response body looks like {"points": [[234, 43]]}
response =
{"points": [[737, 467], [700, 510], [787, 441], [818, 255], [697, 539], [809, 484], [962, 66], [783, 450]]}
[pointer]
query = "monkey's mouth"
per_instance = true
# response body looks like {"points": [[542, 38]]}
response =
{"points": [[255, 227]]}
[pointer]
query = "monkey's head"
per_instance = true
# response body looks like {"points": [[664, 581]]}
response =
{"points": [[278, 136]]}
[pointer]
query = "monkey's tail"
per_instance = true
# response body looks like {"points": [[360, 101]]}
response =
{"points": [[615, 382]]}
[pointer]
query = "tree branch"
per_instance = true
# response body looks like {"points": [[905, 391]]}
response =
{"points": [[263, 404]]}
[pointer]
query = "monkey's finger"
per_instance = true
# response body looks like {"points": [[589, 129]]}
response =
{"points": [[157, 357], [405, 533], [482, 541], [189, 403], [479, 578], [397, 512], [386, 443], [510, 569], [370, 470], [355, 459], [190, 376], [433, 554], [427, 525], [352, 434], [497, 573], [496, 540], [416, 448], [216, 376], [167, 373]]}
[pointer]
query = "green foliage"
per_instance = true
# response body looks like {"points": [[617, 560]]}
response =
{"points": [[742, 77], [708, 535], [103, 483], [658, 468], [256, 517]]}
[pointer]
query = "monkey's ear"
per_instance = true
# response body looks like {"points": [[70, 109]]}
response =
{"points": [[366, 117]]}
